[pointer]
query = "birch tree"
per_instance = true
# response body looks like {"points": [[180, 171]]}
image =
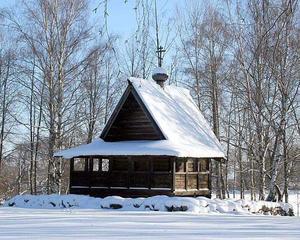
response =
{"points": [[55, 32]]}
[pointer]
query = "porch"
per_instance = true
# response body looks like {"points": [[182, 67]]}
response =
{"points": [[139, 176]]}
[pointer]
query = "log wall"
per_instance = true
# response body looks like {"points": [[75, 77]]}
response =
{"points": [[132, 123], [192, 177], [126, 176], [136, 176]]}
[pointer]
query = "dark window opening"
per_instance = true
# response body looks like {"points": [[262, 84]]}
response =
{"points": [[203, 165], [192, 165], [79, 164], [96, 164], [105, 165], [180, 166]]}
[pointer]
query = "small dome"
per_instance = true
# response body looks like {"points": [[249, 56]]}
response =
{"points": [[159, 70], [160, 75]]}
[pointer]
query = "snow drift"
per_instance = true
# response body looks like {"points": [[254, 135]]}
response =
{"points": [[199, 205]]}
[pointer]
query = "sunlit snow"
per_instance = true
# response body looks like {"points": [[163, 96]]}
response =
{"points": [[17, 223]]}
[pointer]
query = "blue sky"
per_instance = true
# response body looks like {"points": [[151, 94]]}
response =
{"points": [[121, 18], [121, 15]]}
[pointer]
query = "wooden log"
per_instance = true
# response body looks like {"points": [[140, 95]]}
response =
{"points": [[186, 174], [173, 173], [71, 173], [130, 170], [150, 173]]}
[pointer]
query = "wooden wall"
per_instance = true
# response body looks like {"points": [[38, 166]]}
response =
{"points": [[140, 176], [127, 176], [192, 177], [132, 123]]}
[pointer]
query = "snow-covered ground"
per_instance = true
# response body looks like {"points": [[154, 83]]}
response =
{"points": [[294, 199], [199, 205], [19, 223], [83, 217]]}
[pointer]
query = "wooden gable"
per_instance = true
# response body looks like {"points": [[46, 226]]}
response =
{"points": [[131, 120]]}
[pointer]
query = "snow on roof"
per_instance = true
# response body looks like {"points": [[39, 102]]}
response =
{"points": [[158, 70], [187, 132]]}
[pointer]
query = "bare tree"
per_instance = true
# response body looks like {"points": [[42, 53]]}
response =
{"points": [[56, 35], [204, 42]]}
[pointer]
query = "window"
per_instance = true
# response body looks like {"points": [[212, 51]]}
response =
{"points": [[79, 164], [105, 165], [96, 165], [179, 166], [204, 166], [192, 165]]}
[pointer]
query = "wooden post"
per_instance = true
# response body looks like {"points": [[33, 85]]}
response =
{"points": [[150, 172], [90, 170], [129, 171], [198, 172], [71, 173], [110, 167], [186, 174], [298, 203], [173, 174], [208, 162], [86, 164]]}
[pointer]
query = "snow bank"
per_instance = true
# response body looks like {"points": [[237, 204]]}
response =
{"points": [[200, 205]]}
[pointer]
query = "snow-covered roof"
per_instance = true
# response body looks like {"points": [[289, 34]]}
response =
{"points": [[187, 132]]}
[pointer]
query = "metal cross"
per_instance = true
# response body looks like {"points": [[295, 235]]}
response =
{"points": [[160, 50]]}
